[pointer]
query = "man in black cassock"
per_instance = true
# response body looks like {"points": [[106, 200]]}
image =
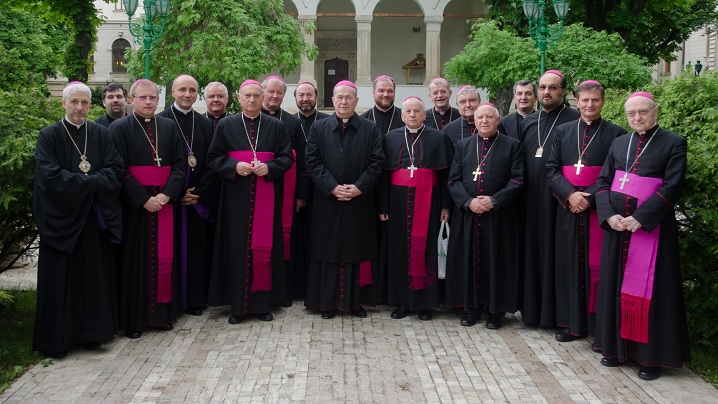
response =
{"points": [[387, 117], [251, 153], [192, 231], [77, 209], [413, 201], [305, 95], [538, 206], [640, 311], [485, 182], [467, 100], [154, 161], [114, 98], [295, 179], [442, 112], [525, 100], [345, 161], [579, 150], [216, 97]]}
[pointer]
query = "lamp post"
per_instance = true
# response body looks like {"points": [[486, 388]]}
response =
{"points": [[147, 33], [534, 10]]}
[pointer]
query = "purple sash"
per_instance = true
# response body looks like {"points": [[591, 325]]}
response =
{"points": [[262, 223], [290, 186], [153, 176], [588, 177], [423, 180], [639, 271]]}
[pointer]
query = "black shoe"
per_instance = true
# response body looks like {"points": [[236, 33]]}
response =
{"points": [[493, 322], [264, 316], [566, 336], [193, 311], [425, 315], [400, 312], [167, 327], [649, 372], [288, 303], [360, 312], [133, 334], [90, 346], [327, 314], [235, 319], [610, 362], [468, 319], [55, 355]]}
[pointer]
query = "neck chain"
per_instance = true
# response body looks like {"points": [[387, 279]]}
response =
{"points": [[302, 126], [412, 167], [625, 179], [539, 151], [84, 164], [254, 148], [373, 115], [451, 115], [191, 159], [579, 143], [471, 132], [481, 161], [155, 147]]}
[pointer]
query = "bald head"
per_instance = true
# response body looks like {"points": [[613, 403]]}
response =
{"points": [[184, 90]]}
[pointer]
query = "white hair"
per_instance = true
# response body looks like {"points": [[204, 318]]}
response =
{"points": [[75, 87]]}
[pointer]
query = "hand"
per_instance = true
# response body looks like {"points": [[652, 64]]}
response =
{"points": [[475, 206], [445, 215], [162, 198], [383, 217], [630, 223], [244, 169], [485, 202], [152, 205], [346, 192], [189, 198], [260, 170], [615, 223], [300, 203], [577, 202]]}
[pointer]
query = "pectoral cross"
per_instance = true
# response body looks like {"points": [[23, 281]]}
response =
{"points": [[578, 166], [477, 173], [256, 161], [624, 180], [411, 169], [158, 159]]}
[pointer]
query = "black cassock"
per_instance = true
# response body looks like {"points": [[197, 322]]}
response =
{"points": [[193, 232], [431, 151], [344, 233], [537, 299], [385, 121], [663, 158], [482, 264], [232, 273], [79, 220], [573, 230], [140, 249], [301, 228], [459, 129], [437, 120], [511, 124], [105, 120]]}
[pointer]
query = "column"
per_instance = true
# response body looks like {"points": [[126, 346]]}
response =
{"points": [[364, 49], [433, 47], [306, 69]]}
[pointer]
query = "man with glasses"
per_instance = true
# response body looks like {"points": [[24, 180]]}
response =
{"points": [[467, 100], [525, 100], [539, 205], [640, 313], [442, 112], [155, 163]]}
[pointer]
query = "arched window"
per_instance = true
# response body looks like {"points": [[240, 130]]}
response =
{"points": [[118, 55]]}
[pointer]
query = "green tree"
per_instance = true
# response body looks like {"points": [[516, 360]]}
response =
{"points": [[652, 29], [225, 40], [496, 59]]}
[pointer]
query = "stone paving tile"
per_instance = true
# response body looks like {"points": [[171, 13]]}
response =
{"points": [[301, 358]]}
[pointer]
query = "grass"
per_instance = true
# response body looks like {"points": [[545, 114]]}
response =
{"points": [[705, 364], [17, 318]]}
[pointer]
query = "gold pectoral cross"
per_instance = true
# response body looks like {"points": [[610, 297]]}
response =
{"points": [[158, 159]]}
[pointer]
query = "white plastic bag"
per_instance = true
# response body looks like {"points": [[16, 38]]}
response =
{"points": [[442, 246]]}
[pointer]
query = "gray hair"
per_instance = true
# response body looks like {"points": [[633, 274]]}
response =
{"points": [[217, 84], [266, 82], [403, 104], [526, 83], [75, 86]]}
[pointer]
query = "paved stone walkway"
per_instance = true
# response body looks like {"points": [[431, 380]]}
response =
{"points": [[300, 357]]}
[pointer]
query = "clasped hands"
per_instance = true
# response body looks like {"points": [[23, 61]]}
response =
{"points": [[620, 223], [346, 192], [577, 202], [481, 204], [155, 203], [245, 169]]}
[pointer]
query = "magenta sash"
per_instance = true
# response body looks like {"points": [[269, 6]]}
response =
{"points": [[423, 180], [365, 277], [588, 177], [639, 271], [262, 223], [153, 176], [290, 186]]}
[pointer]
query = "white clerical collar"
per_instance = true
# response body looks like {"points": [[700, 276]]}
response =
{"points": [[414, 130], [588, 123], [74, 124], [524, 115], [250, 117], [345, 120], [184, 111], [440, 112]]}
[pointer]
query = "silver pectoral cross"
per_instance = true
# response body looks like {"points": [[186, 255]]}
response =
{"points": [[411, 169], [158, 160], [624, 180], [256, 161], [477, 173], [578, 166]]}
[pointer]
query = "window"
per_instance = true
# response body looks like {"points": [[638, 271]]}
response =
{"points": [[118, 55], [119, 5]]}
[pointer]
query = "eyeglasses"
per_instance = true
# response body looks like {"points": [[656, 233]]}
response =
{"points": [[641, 112], [144, 98]]}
